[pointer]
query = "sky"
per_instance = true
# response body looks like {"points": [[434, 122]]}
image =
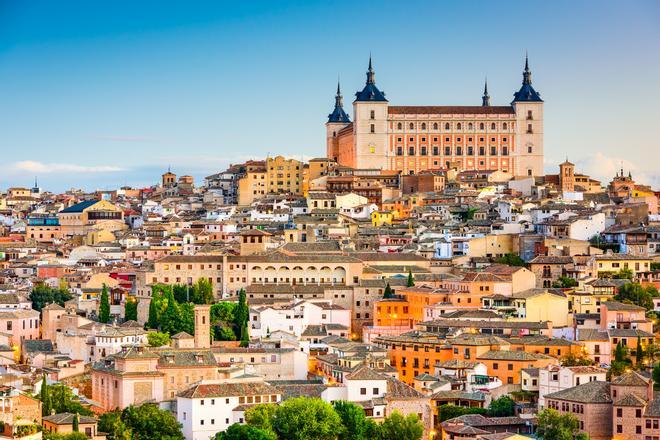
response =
{"points": [[96, 95]]}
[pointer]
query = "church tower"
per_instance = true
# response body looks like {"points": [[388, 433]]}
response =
{"points": [[202, 326], [370, 110], [566, 177], [337, 120], [528, 107]]}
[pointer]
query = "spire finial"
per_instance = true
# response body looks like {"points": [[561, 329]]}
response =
{"points": [[370, 73], [527, 74], [485, 99], [338, 89]]}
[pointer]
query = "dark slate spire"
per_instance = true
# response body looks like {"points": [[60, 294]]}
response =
{"points": [[527, 74], [527, 92], [338, 114], [370, 91], [485, 100]]}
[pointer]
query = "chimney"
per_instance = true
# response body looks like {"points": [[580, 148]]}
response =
{"points": [[202, 326]]}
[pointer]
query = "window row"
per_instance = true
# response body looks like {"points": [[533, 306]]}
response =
{"points": [[459, 126], [459, 151], [448, 139]]}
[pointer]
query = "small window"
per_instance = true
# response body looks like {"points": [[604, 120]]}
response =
{"points": [[399, 126], [435, 125], [373, 114], [411, 126], [447, 126], [423, 126], [373, 128]]}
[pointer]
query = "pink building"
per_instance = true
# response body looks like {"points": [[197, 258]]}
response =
{"points": [[19, 324]]}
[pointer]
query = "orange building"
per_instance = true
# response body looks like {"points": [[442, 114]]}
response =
{"points": [[407, 308]]}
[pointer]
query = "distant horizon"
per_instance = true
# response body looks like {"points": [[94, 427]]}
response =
{"points": [[102, 96]]}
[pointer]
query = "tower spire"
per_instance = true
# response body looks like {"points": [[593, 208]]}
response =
{"points": [[370, 73], [338, 114], [485, 99], [527, 74]]}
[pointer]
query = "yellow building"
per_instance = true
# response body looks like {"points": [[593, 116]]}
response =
{"points": [[253, 185], [539, 305], [380, 218], [610, 264], [285, 176], [82, 217]]}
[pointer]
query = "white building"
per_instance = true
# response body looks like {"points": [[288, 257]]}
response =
{"points": [[556, 378], [296, 317], [209, 407]]}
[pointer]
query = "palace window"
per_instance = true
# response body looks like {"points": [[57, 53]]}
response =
{"points": [[399, 126], [482, 151], [399, 151], [373, 128], [493, 126], [505, 126], [435, 125], [458, 126], [470, 126], [470, 151], [481, 126], [459, 151], [372, 114], [411, 151], [411, 126], [447, 151], [423, 126], [493, 151], [435, 150], [423, 152], [447, 126]]}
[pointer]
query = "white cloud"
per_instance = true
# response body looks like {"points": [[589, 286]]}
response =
{"points": [[32, 166]]}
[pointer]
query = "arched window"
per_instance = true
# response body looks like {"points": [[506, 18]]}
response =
{"points": [[470, 126], [447, 126], [481, 126], [423, 126], [412, 126], [399, 126], [505, 126], [493, 126], [435, 125], [458, 126]]}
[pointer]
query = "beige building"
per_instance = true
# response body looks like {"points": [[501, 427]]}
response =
{"points": [[285, 176], [81, 218], [253, 185]]}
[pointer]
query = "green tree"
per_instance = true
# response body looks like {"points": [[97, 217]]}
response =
{"points": [[635, 293], [44, 396], [112, 424], [411, 280], [244, 432], [576, 360], [261, 416], [564, 282], [104, 306], [304, 418], [75, 425], [353, 418], [131, 309], [624, 274], [620, 353], [656, 376], [158, 339], [398, 427], [639, 353], [148, 422], [505, 406], [42, 295], [169, 320], [186, 322], [245, 335], [448, 411], [203, 292], [510, 259], [153, 320], [223, 334], [389, 293], [242, 312], [556, 426], [63, 400]]}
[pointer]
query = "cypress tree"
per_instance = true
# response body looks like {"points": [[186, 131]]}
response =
{"points": [[245, 335], [104, 307], [152, 321], [44, 396], [639, 353], [76, 423], [389, 293], [411, 280]]}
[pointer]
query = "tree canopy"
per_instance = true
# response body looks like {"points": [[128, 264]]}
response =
{"points": [[398, 427], [43, 295], [504, 406], [158, 339], [144, 422], [637, 294], [244, 432], [556, 426], [510, 260], [104, 306]]}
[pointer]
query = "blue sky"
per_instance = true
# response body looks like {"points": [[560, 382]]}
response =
{"points": [[100, 94]]}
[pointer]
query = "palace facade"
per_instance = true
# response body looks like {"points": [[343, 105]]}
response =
{"points": [[412, 139]]}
